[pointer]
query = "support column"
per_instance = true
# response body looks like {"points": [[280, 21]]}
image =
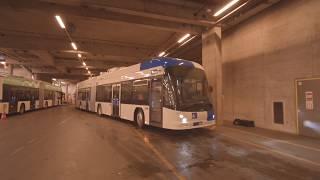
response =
{"points": [[212, 63], [66, 96], [10, 69]]}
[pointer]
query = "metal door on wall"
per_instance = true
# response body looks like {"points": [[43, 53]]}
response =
{"points": [[116, 100], [156, 102], [308, 107]]}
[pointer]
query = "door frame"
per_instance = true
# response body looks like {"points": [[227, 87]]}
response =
{"points": [[296, 89], [112, 86], [150, 105]]}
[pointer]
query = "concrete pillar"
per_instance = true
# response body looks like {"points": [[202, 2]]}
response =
{"points": [[10, 69], [67, 94], [212, 63]]}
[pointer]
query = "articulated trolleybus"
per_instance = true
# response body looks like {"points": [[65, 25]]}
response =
{"points": [[19, 95], [163, 92]]}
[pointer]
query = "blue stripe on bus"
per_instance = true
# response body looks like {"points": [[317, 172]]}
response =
{"points": [[164, 62]]}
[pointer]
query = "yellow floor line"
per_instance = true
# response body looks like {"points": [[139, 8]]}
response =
{"points": [[160, 156], [274, 151], [279, 140]]}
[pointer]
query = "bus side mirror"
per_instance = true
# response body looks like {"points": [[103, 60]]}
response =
{"points": [[210, 89]]}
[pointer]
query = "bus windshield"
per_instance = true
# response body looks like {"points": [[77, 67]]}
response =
{"points": [[191, 88]]}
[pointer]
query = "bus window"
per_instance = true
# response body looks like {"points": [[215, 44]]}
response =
{"points": [[80, 94], [84, 96], [140, 92], [126, 92], [48, 94], [99, 94], [107, 93], [103, 93]]}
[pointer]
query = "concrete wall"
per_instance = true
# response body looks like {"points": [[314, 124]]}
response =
{"points": [[17, 71], [70, 95], [263, 56]]}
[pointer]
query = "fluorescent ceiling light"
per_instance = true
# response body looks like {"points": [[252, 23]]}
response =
{"points": [[229, 5], [74, 46], [83, 63], [161, 54], [89, 72], [3, 62], [54, 79], [58, 18], [87, 68], [183, 38], [236, 9], [79, 55]]}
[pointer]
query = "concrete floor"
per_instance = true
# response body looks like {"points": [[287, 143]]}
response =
{"points": [[65, 143]]}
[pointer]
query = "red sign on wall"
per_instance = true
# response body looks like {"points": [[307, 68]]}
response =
{"points": [[309, 100]]}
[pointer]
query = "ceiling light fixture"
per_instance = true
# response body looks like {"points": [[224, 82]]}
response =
{"points": [[89, 72], [187, 41], [161, 54], [74, 46], [183, 38], [79, 55], [84, 64], [229, 5], [87, 68], [236, 9], [60, 22], [54, 79]]}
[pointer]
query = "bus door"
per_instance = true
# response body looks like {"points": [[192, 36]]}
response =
{"points": [[33, 99], [13, 103], [156, 102], [116, 100]]}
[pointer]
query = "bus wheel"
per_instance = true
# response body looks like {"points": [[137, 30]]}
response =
{"points": [[99, 110], [22, 109], [140, 119]]}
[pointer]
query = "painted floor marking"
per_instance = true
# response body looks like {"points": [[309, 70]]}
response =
{"points": [[283, 141], [160, 156], [31, 141], [62, 122], [17, 150], [274, 151]]}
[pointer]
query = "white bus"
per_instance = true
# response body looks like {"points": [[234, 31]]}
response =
{"points": [[163, 92], [18, 95]]}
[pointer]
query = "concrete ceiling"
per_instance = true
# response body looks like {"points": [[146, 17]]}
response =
{"points": [[108, 33]]}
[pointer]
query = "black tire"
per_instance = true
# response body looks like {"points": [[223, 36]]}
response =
{"points": [[22, 109], [99, 110], [139, 118]]}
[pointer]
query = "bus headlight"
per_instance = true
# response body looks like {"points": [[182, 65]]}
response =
{"points": [[184, 120]]}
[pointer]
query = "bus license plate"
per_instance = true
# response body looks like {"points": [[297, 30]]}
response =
{"points": [[197, 123]]}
